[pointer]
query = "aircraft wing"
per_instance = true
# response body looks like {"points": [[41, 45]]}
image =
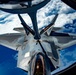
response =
{"points": [[63, 40], [19, 29], [12, 40]]}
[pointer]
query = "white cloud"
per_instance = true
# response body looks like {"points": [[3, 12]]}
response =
{"points": [[7, 27]]}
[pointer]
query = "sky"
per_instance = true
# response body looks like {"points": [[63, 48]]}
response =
{"points": [[8, 62], [66, 20]]}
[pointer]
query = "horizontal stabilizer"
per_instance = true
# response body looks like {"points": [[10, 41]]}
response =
{"points": [[53, 33], [56, 28], [20, 29], [63, 37]]}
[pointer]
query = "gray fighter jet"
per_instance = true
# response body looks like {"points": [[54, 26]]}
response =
{"points": [[38, 48]]}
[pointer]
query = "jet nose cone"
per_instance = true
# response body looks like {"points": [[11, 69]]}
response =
{"points": [[39, 68], [37, 65]]}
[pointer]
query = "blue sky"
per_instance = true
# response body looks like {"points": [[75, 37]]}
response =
{"points": [[8, 62]]}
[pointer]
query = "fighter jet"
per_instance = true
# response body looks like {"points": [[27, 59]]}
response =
{"points": [[38, 48], [34, 53]]}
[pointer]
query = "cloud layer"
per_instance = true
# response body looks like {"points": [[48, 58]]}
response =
{"points": [[44, 16]]}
